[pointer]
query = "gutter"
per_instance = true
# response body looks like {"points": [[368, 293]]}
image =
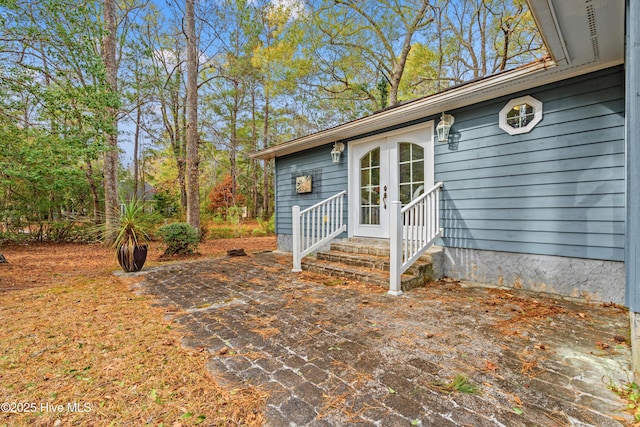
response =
{"points": [[536, 74]]}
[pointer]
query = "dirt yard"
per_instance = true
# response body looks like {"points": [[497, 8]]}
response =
{"points": [[44, 264], [78, 347]]}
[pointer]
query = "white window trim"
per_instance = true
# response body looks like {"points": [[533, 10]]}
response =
{"points": [[537, 115]]}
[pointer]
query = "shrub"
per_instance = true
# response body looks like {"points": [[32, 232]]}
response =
{"points": [[265, 227], [180, 238]]}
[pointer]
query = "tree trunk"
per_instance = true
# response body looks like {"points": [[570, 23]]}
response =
{"points": [[254, 162], [111, 154], [265, 176], [94, 191], [193, 190], [136, 149], [233, 149]]}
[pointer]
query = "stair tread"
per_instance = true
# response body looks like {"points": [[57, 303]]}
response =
{"points": [[368, 261], [425, 259], [351, 269]]}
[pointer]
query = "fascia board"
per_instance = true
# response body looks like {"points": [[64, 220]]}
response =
{"points": [[546, 21], [523, 78]]}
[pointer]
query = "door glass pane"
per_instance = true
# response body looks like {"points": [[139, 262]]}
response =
{"points": [[375, 176], [370, 187], [417, 174], [411, 167], [375, 196], [364, 162], [375, 157], [405, 152], [405, 193], [405, 172], [365, 178], [417, 152]]}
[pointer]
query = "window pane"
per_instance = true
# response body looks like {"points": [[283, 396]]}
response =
{"points": [[365, 178], [418, 152], [364, 196], [375, 196], [418, 171], [365, 161], [405, 173], [364, 215], [375, 157], [374, 216], [405, 193], [375, 176], [520, 116], [417, 190], [405, 151]]}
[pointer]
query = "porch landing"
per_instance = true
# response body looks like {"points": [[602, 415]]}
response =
{"points": [[367, 260]]}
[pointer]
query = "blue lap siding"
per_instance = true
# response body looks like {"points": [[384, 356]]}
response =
{"points": [[558, 190], [328, 179]]}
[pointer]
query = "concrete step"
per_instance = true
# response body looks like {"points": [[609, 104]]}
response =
{"points": [[367, 260], [374, 248], [370, 276], [421, 267]]}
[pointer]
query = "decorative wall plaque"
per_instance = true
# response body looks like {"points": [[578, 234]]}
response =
{"points": [[303, 184]]}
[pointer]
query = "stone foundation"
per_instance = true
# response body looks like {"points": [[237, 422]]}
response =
{"points": [[589, 279], [284, 242]]}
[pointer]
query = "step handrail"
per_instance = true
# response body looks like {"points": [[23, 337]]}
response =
{"points": [[316, 226], [414, 229]]}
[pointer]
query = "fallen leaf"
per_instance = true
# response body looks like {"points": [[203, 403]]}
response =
{"points": [[490, 366], [223, 350], [541, 346], [582, 315], [517, 410]]}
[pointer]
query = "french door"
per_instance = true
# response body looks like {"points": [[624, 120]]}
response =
{"points": [[396, 166]]}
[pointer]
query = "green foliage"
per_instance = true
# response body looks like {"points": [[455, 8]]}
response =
{"points": [[265, 228], [630, 391], [179, 237], [131, 231], [460, 384], [13, 238]]}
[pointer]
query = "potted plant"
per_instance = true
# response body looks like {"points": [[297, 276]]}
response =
{"points": [[131, 241]]}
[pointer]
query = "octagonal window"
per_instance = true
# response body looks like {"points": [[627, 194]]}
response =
{"points": [[520, 115]]}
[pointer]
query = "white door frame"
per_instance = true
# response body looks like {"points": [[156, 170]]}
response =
{"points": [[421, 134]]}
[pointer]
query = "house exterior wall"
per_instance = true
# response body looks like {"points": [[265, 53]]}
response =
{"points": [[534, 210], [558, 190], [537, 210], [328, 179]]}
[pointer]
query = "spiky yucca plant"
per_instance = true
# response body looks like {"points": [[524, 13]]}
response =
{"points": [[130, 232]]}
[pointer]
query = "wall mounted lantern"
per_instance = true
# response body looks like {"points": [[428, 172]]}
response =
{"points": [[444, 127], [338, 148]]}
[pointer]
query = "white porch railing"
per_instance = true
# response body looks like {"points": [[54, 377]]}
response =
{"points": [[315, 226], [414, 229]]}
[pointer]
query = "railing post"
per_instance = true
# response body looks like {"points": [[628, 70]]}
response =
{"points": [[297, 258], [395, 238]]}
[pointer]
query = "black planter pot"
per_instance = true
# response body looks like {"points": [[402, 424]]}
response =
{"points": [[139, 257]]}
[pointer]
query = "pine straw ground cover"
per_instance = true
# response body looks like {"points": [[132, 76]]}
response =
{"points": [[78, 347]]}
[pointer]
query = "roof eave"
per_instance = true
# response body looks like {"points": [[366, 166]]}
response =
{"points": [[402, 113], [534, 75]]}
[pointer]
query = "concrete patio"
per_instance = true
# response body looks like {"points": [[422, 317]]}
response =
{"points": [[335, 353]]}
